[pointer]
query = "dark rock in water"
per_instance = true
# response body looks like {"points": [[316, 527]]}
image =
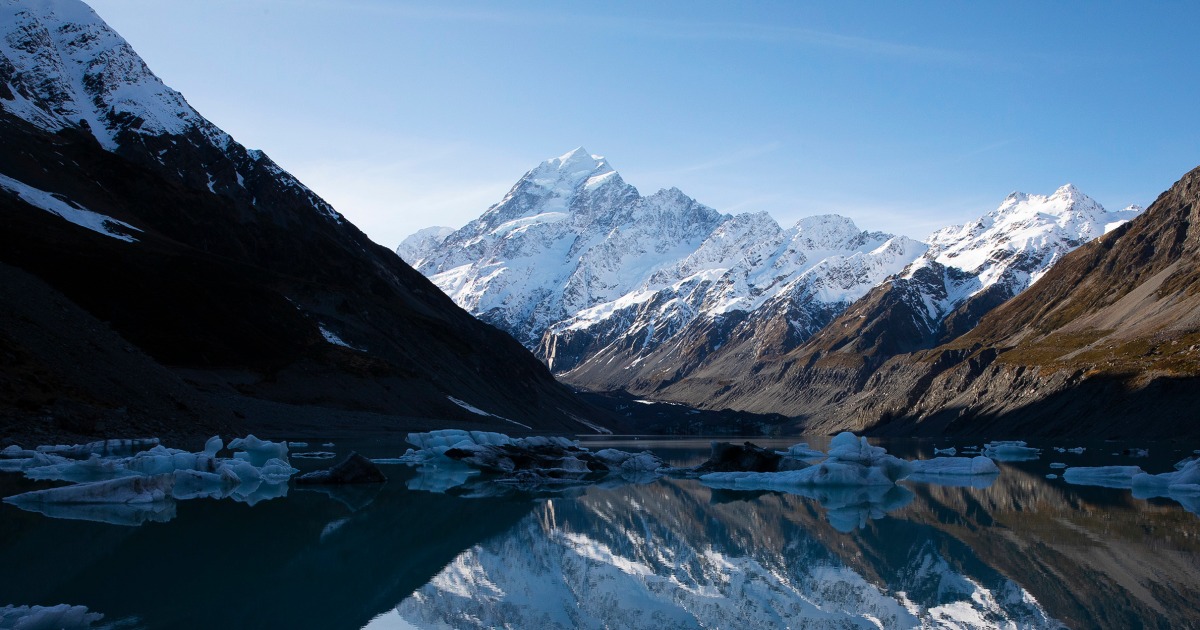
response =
{"points": [[747, 457], [354, 469], [542, 459]]}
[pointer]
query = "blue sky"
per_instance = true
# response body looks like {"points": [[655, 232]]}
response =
{"points": [[905, 116]]}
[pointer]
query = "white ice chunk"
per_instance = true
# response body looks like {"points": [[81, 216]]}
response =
{"points": [[1189, 475], [434, 443], [95, 468], [1106, 476], [1010, 451], [956, 466], [123, 490], [15, 452], [213, 446], [101, 447], [644, 461], [257, 451], [945, 451], [47, 617], [852, 462], [1058, 465], [802, 451], [315, 455]]}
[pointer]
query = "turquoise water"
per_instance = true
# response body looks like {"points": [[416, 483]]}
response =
{"points": [[1024, 550]]}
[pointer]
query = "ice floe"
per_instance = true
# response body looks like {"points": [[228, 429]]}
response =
{"points": [[442, 456], [851, 462], [1104, 476], [47, 617], [1011, 451], [314, 455], [963, 472], [142, 486], [1181, 485]]}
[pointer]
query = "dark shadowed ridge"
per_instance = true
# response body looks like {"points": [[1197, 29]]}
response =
{"points": [[241, 298]]}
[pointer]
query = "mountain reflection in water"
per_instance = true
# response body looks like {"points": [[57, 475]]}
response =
{"points": [[1017, 550], [669, 553]]}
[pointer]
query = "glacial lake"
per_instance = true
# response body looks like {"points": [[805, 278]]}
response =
{"points": [[1018, 550]]}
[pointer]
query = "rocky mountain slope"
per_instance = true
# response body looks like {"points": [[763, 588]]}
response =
{"points": [[576, 264], [673, 303], [1104, 343], [211, 259]]}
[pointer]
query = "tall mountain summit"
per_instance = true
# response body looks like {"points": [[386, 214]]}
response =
{"points": [[614, 290], [131, 215]]}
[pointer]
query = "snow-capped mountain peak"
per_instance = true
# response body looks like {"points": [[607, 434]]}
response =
{"points": [[64, 67], [1008, 248]]}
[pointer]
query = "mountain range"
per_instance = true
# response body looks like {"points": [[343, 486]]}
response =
{"points": [[161, 278], [664, 298]]}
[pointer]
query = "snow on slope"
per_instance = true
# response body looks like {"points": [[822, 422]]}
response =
{"points": [[573, 246], [806, 274], [577, 265], [1010, 247], [60, 206], [62, 67], [422, 242], [569, 235]]}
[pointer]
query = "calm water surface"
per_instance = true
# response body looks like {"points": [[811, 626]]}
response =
{"points": [[420, 551]]}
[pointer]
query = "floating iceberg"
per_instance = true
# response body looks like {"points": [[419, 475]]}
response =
{"points": [[967, 472], [1104, 476], [257, 451], [802, 451], [1184, 480], [852, 461], [531, 460], [125, 490], [104, 487], [1182, 485], [102, 447], [1011, 451], [945, 451], [315, 455], [47, 617], [956, 466]]}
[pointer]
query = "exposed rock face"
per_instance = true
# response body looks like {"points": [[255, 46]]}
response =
{"points": [[352, 470], [207, 256], [613, 289], [745, 457], [1103, 344], [665, 298]]}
